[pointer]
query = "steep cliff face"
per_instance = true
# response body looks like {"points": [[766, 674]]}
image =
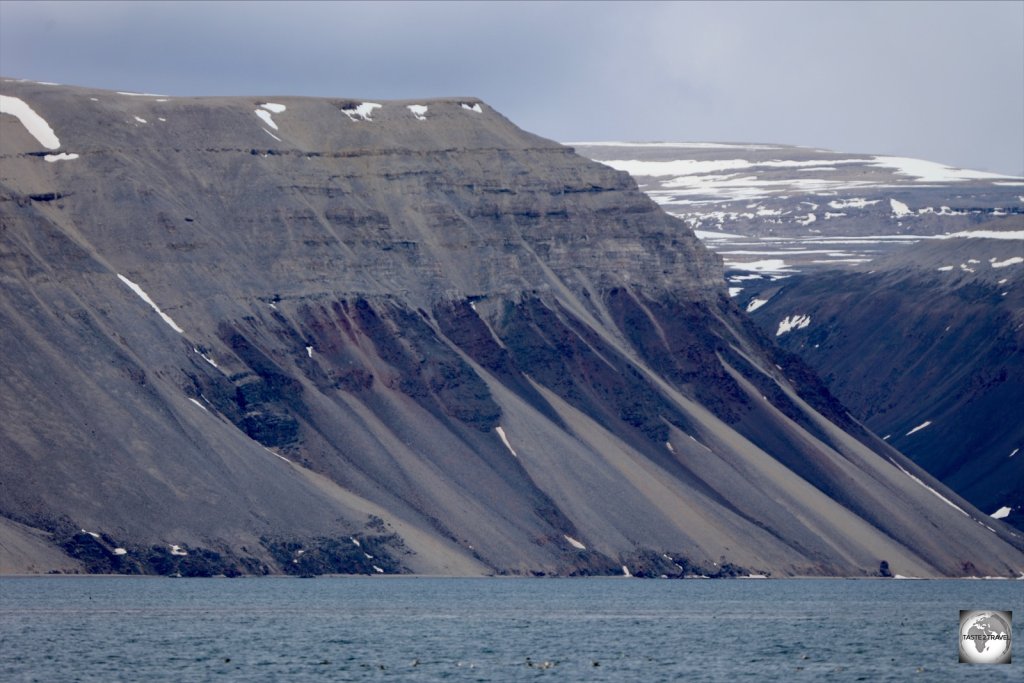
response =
{"points": [[318, 335]]}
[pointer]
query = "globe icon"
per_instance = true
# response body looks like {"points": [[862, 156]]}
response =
{"points": [[985, 637]]}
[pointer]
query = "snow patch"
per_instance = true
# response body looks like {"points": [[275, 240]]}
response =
{"points": [[899, 209], [855, 203], [919, 427], [734, 291], [35, 124], [363, 111], [120, 551], [807, 220], [1001, 513], [63, 156], [266, 117], [274, 107], [378, 569], [419, 111], [1013, 260], [793, 322], [140, 119], [504, 440], [309, 351], [755, 304], [139, 94], [772, 265], [945, 268], [355, 541], [574, 543], [177, 550], [625, 571], [145, 297], [705, 235], [198, 403], [271, 135], [930, 171], [475, 107]]}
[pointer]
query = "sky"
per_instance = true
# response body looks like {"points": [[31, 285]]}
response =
{"points": [[942, 81]]}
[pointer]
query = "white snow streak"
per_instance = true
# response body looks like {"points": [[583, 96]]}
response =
{"points": [[793, 322], [755, 304], [1013, 260], [63, 156], [1001, 513], [35, 124], [271, 135], [419, 111], [120, 551], [145, 297], [139, 94], [676, 145], [475, 107], [309, 351], [198, 404], [574, 543], [504, 440], [625, 571], [734, 291], [363, 111], [855, 203], [205, 357], [141, 120], [177, 550], [930, 171], [267, 118], [273, 107], [919, 427], [988, 234], [945, 500]]}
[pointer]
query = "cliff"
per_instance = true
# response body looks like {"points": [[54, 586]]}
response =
{"points": [[301, 335]]}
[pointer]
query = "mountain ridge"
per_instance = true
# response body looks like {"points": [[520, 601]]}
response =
{"points": [[473, 354]]}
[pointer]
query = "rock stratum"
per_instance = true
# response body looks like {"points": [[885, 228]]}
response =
{"points": [[291, 335]]}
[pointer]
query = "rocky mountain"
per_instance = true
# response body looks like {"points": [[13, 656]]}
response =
{"points": [[898, 280], [264, 335]]}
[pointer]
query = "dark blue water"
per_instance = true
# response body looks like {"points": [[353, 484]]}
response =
{"points": [[423, 629]]}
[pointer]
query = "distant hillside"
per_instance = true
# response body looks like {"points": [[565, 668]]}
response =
{"points": [[898, 280]]}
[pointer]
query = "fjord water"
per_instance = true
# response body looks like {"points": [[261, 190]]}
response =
{"points": [[427, 629]]}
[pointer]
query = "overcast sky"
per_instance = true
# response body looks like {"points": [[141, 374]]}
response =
{"points": [[936, 80]]}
